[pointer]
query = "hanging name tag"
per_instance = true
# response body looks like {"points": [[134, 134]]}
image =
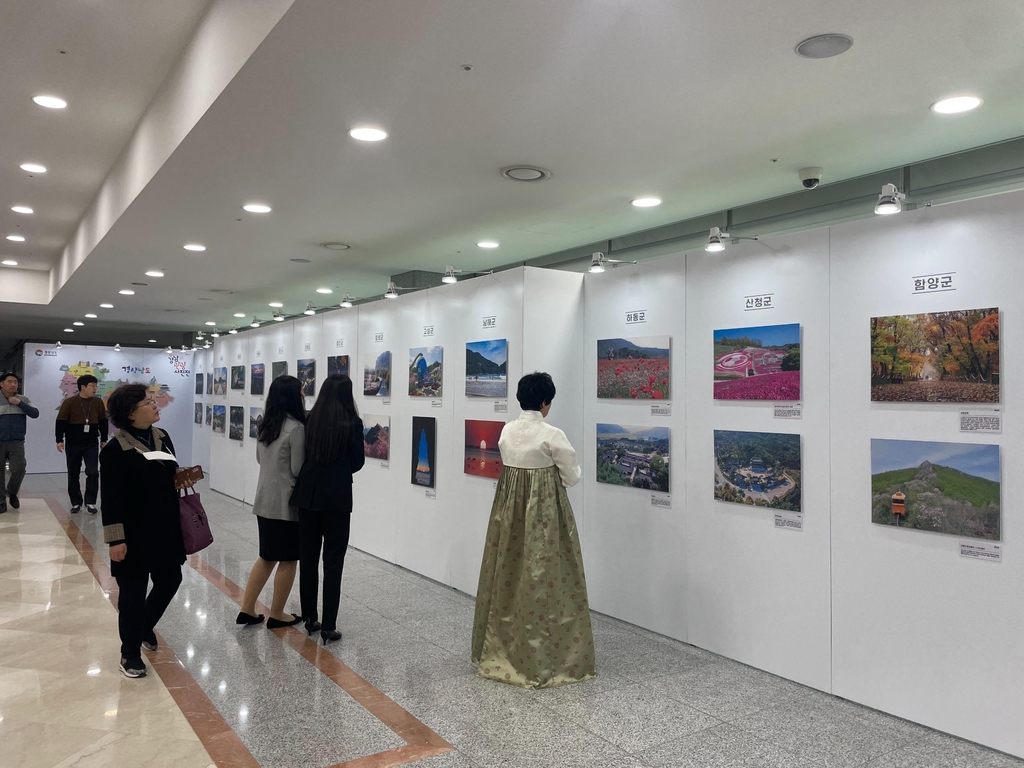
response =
{"points": [[85, 429], [158, 456]]}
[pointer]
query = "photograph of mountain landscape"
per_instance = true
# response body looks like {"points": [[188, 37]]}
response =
{"points": [[209, 415], [237, 418], [257, 375], [761, 469], [937, 357], [941, 487], [220, 413], [255, 419], [376, 436], [424, 450], [634, 369], [238, 377], [279, 368], [634, 456], [199, 413], [758, 363], [377, 376], [306, 373], [487, 368], [337, 364], [425, 371], [482, 456], [220, 381]]}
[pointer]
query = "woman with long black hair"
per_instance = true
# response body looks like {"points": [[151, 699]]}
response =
{"points": [[323, 495], [280, 451]]}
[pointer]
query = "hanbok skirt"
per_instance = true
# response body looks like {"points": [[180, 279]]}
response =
{"points": [[532, 623]]}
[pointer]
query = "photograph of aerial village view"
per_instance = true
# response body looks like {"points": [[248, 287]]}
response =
{"points": [[633, 456], [758, 363], [936, 357], [761, 469]]}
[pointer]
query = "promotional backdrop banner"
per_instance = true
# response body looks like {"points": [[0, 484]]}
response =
{"points": [[50, 376]]}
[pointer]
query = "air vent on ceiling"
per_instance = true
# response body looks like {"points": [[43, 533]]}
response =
{"points": [[221, 291], [525, 173]]}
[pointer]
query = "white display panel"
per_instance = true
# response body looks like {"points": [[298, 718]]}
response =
{"points": [[918, 630], [201, 363], [230, 460], [50, 375], [754, 592]]}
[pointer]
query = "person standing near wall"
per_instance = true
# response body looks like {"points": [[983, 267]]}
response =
{"points": [[14, 409], [81, 422]]}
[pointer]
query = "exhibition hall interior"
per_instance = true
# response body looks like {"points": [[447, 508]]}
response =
{"points": [[766, 254]]}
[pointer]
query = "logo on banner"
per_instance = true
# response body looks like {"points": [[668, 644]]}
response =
{"points": [[46, 353]]}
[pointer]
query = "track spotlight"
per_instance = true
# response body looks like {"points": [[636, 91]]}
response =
{"points": [[58, 345], [597, 262], [233, 330], [450, 273], [715, 240], [392, 291], [310, 309], [890, 200], [117, 347], [346, 300], [216, 333], [169, 351], [278, 316], [255, 322]]}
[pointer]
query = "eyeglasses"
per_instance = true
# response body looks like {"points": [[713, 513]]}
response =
{"points": [[147, 401]]}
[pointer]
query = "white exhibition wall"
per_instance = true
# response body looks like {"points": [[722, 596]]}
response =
{"points": [[895, 619], [50, 376]]}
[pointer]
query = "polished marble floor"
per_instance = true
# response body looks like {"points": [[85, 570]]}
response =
{"points": [[397, 690]]}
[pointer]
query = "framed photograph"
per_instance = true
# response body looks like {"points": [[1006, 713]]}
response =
{"points": [[220, 381], [279, 368], [257, 373], [951, 488], [238, 377], [638, 368], [220, 417], [235, 431], [425, 369], [199, 383], [487, 368], [377, 436], [936, 357], [337, 364], [209, 383], [482, 457], [634, 456], [199, 413], [209, 415], [377, 376], [424, 451], [760, 469], [306, 372], [758, 363], [255, 419]]}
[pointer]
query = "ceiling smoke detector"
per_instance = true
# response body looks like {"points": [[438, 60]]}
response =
{"points": [[824, 46], [334, 246], [525, 173]]}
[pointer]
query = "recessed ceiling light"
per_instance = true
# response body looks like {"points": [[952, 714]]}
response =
{"points": [[210, 322], [824, 46], [324, 290], [368, 134], [525, 173], [331, 246], [16, 238], [195, 247], [9, 263], [33, 167], [107, 306], [79, 323], [21, 209], [487, 244], [69, 330], [956, 104], [91, 315], [256, 208], [299, 261], [151, 341], [239, 314], [276, 304], [154, 273], [127, 292], [50, 102], [646, 202]]}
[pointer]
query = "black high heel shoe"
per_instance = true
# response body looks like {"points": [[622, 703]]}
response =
{"points": [[248, 618], [273, 623], [312, 626], [329, 635]]}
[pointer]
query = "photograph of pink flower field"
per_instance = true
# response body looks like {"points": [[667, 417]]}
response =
{"points": [[634, 369], [758, 363]]}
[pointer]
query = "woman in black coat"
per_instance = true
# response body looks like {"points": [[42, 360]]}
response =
{"points": [[141, 522], [323, 496]]}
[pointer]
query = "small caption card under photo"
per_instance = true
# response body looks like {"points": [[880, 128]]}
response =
{"points": [[988, 551], [989, 421], [789, 521]]}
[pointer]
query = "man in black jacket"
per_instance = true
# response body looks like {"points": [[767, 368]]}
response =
{"points": [[13, 412], [81, 423]]}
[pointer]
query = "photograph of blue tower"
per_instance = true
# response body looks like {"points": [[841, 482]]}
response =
{"points": [[424, 450]]}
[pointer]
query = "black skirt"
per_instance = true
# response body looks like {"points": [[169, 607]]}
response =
{"points": [[279, 539]]}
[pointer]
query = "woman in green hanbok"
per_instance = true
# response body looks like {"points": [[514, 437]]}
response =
{"points": [[532, 623]]}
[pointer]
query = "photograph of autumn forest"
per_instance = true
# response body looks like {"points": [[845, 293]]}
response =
{"points": [[938, 357]]}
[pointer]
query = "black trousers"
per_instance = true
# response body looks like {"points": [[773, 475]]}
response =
{"points": [[331, 529], [138, 613], [74, 453]]}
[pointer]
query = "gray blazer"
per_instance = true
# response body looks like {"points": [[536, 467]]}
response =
{"points": [[280, 463]]}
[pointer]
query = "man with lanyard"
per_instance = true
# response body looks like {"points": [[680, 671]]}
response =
{"points": [[80, 421], [13, 412]]}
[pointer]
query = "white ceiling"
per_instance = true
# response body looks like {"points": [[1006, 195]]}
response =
{"points": [[686, 101]]}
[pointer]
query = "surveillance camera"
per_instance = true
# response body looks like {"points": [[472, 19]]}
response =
{"points": [[810, 177]]}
